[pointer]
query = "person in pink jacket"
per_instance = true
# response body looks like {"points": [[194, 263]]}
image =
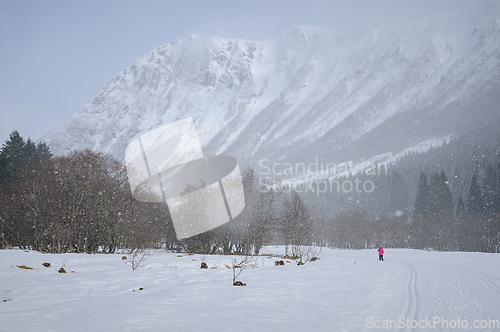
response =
{"points": [[380, 254]]}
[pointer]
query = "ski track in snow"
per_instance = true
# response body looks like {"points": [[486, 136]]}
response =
{"points": [[485, 280], [411, 309]]}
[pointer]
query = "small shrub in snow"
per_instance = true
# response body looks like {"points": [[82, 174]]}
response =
{"points": [[306, 254], [46, 264], [204, 265], [238, 267], [136, 258], [62, 270]]}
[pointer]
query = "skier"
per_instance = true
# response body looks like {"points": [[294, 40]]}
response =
{"points": [[380, 254]]}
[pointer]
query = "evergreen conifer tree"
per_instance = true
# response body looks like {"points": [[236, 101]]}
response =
{"points": [[446, 197], [12, 156], [422, 200], [490, 193], [434, 195], [460, 207], [17, 153], [475, 199], [497, 203], [43, 151]]}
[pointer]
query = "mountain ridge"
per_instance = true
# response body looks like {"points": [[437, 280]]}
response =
{"points": [[306, 93]]}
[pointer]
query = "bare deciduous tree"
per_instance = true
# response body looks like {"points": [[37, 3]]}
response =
{"points": [[241, 264], [296, 224], [79, 203], [136, 258]]}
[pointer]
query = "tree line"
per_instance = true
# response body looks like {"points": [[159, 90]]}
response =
{"points": [[416, 204], [74, 203], [82, 203]]}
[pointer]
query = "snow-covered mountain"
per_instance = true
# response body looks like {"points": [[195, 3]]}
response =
{"points": [[307, 93]]}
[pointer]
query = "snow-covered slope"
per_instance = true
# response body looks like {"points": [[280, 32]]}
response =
{"points": [[307, 93], [346, 290]]}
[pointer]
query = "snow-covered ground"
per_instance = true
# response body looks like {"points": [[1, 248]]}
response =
{"points": [[346, 290]]}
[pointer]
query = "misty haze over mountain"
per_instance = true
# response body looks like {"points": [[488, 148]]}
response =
{"points": [[307, 93]]}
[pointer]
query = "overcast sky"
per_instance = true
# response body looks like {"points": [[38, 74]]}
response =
{"points": [[54, 55]]}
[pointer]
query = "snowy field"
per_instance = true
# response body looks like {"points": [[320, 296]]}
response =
{"points": [[346, 290]]}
